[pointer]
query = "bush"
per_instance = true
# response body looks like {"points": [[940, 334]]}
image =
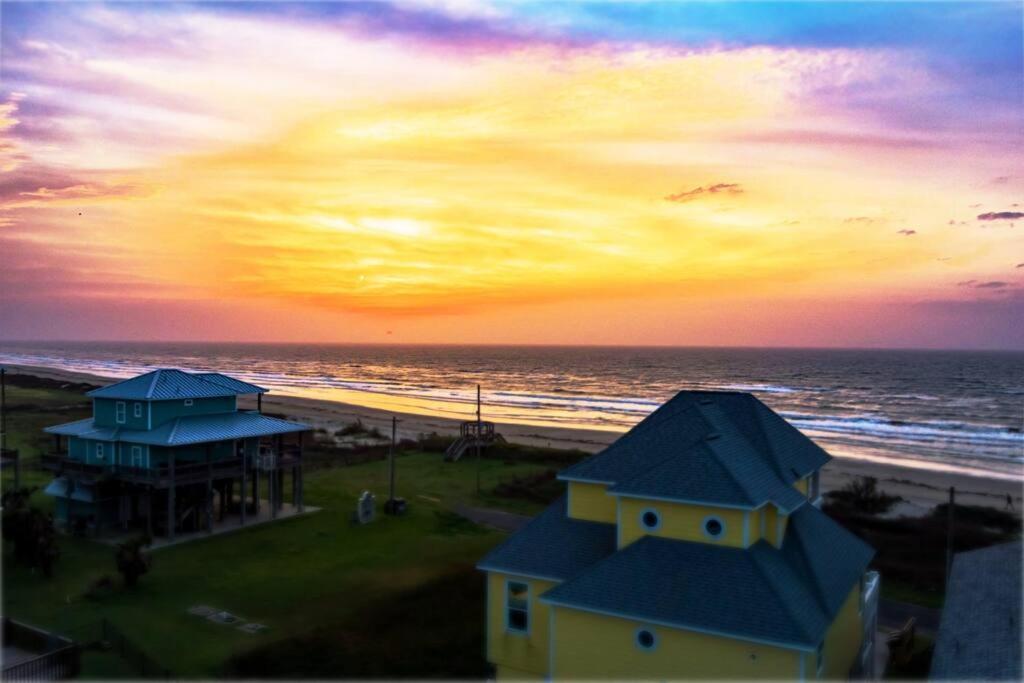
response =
{"points": [[862, 495], [132, 563], [30, 531]]}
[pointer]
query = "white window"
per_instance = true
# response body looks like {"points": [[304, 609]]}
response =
{"points": [[188, 401], [120, 412], [821, 658], [136, 456], [517, 607], [99, 451], [137, 410]]}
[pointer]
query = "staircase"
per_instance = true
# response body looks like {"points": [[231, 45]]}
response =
{"points": [[469, 434]]}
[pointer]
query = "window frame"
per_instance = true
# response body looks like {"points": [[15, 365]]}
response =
{"points": [[120, 412], [654, 639], [137, 409], [100, 455], [657, 518], [189, 403], [526, 610], [131, 456], [721, 522]]}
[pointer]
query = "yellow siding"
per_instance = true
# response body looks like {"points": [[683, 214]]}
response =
{"points": [[774, 525], [504, 673], [680, 521], [843, 639], [526, 654], [801, 485], [591, 502], [594, 646]]}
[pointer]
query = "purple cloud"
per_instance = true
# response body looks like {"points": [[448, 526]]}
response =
{"points": [[717, 188], [1000, 216]]}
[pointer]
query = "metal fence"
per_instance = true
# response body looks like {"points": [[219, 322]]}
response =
{"points": [[58, 657]]}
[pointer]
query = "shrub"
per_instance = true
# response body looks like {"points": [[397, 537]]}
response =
{"points": [[30, 531], [131, 561], [862, 495]]}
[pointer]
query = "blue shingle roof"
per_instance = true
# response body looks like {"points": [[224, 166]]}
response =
{"points": [[165, 384], [184, 431], [762, 593], [719, 448], [980, 634], [552, 546]]}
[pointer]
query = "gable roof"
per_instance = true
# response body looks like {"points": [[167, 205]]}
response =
{"points": [[980, 633], [552, 546], [184, 431], [169, 383], [762, 593], [714, 447]]}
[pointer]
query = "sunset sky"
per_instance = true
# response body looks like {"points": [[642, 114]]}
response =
{"points": [[831, 174]]}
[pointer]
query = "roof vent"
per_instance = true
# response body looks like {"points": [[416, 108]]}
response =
{"points": [[712, 436]]}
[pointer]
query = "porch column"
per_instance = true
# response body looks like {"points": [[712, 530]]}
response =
{"points": [[149, 512], [242, 493], [256, 490], [170, 498], [209, 489]]}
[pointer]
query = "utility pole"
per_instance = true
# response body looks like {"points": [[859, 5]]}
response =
{"points": [[477, 440], [949, 534], [391, 462]]}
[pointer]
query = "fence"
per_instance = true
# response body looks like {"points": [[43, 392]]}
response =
{"points": [[58, 657]]}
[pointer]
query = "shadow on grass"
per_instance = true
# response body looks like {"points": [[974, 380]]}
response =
{"points": [[433, 631]]}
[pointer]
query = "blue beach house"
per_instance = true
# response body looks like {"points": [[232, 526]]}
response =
{"points": [[161, 447]]}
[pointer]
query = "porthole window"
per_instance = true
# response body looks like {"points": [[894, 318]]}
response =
{"points": [[645, 639], [714, 527], [650, 519]]}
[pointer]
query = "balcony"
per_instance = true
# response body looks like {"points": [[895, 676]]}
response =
{"points": [[160, 476]]}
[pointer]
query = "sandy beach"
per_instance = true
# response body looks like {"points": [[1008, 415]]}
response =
{"points": [[920, 488]]}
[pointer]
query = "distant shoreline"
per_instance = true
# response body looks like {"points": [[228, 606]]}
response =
{"points": [[921, 488]]}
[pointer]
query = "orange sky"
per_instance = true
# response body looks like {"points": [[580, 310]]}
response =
{"points": [[260, 177]]}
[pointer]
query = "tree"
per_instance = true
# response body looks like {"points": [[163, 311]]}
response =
{"points": [[132, 562], [862, 496], [30, 531]]}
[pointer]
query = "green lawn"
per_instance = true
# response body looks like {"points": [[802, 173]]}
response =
{"points": [[298, 576]]}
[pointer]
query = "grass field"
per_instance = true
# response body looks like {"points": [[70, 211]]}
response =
{"points": [[303, 577]]}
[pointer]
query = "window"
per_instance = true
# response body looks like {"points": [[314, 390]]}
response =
{"points": [[714, 527], [188, 401], [137, 409], [650, 519], [120, 412], [136, 456], [821, 658], [99, 451], [645, 639], [517, 607]]}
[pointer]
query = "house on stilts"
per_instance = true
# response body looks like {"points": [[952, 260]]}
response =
{"points": [[160, 448]]}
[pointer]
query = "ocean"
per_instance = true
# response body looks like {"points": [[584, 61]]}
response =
{"points": [[954, 410]]}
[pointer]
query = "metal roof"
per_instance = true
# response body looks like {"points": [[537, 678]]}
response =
{"points": [[552, 546], [980, 633], [184, 431], [714, 447], [236, 385], [169, 383], [761, 593]]}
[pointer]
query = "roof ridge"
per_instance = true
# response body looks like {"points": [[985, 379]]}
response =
{"points": [[793, 531], [174, 429], [773, 455], [723, 463], [755, 559], [152, 384]]}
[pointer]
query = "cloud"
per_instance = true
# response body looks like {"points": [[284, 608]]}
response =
{"points": [[966, 283], [717, 188], [1020, 265], [988, 284], [859, 219], [906, 232], [1000, 216]]}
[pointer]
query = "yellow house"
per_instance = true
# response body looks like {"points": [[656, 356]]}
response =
{"points": [[692, 547]]}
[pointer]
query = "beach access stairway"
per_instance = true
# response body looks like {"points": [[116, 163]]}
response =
{"points": [[471, 433]]}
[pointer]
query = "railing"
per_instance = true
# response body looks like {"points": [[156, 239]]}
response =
{"points": [[486, 429], [184, 472], [58, 657]]}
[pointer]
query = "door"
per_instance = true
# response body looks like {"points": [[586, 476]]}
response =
{"points": [[136, 456]]}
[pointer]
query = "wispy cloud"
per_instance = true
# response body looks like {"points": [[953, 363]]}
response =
{"points": [[697, 192], [1000, 216], [906, 232]]}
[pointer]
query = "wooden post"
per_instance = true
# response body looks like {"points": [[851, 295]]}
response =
{"points": [[302, 493], [256, 485], [949, 534], [243, 493], [170, 499], [209, 489], [477, 440], [391, 462], [259, 403], [149, 512]]}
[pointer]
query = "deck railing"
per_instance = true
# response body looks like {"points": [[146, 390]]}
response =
{"points": [[184, 472], [58, 657]]}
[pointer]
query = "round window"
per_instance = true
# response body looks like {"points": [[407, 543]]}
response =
{"points": [[650, 519], [645, 639], [713, 527]]}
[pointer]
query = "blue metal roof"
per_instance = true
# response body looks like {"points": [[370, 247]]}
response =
{"points": [[552, 546], [236, 385], [166, 384], [786, 596], [188, 430], [980, 634], [724, 448]]}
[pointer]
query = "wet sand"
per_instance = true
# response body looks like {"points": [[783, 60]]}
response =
{"points": [[922, 489]]}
